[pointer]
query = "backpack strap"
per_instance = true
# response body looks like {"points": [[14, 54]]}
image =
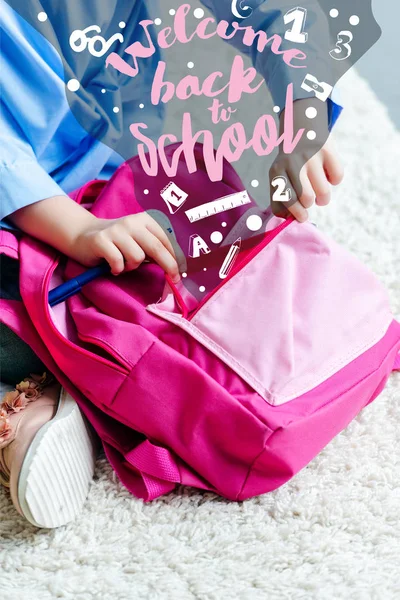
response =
{"points": [[158, 471], [9, 244], [157, 467]]}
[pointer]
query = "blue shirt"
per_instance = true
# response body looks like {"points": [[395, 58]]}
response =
{"points": [[44, 149]]}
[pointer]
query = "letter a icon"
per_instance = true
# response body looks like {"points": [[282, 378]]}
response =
{"points": [[197, 246]]}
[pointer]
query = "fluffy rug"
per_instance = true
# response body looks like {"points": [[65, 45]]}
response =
{"points": [[331, 532]]}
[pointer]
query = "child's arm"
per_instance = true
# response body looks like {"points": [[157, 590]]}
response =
{"points": [[123, 243], [321, 163], [312, 168], [30, 198]]}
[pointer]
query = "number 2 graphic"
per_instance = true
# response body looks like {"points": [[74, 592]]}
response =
{"points": [[343, 48], [298, 15], [281, 194]]}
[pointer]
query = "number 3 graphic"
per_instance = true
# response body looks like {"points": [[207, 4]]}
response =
{"points": [[343, 48], [281, 194]]}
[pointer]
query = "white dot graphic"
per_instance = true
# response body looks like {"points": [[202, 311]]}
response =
{"points": [[116, 109], [172, 12], [334, 13], [184, 275], [311, 112], [199, 13], [141, 105], [224, 224], [354, 20], [42, 17], [73, 85], [190, 65], [276, 109], [103, 91], [255, 183], [145, 192], [202, 288], [311, 135], [205, 269], [254, 223], [122, 24], [157, 21], [216, 237]]}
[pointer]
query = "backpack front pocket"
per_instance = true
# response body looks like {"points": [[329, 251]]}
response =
{"points": [[295, 313]]}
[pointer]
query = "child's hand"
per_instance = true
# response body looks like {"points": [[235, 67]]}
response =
{"points": [[125, 243], [309, 172]]}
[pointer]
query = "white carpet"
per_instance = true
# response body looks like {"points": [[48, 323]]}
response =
{"points": [[332, 532]]}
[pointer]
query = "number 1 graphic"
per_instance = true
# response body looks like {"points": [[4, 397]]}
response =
{"points": [[173, 197], [298, 15], [177, 196]]}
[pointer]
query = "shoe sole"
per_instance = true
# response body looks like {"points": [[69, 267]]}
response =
{"points": [[55, 476]]}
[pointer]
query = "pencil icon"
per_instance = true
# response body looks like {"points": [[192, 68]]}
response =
{"points": [[230, 259]]}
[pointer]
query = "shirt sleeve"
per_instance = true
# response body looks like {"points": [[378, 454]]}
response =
{"points": [[268, 16], [23, 180], [24, 117]]}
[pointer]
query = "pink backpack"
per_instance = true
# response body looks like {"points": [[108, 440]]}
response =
{"points": [[231, 381]]}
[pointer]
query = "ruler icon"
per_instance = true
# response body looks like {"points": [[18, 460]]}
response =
{"points": [[218, 206]]}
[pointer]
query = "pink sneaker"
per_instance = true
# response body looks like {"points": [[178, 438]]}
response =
{"points": [[47, 452]]}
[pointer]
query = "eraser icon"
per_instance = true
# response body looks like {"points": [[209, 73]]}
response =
{"points": [[321, 89]]}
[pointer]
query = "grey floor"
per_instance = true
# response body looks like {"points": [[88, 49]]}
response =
{"points": [[380, 65]]}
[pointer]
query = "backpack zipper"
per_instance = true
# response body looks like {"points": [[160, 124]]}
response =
{"points": [[269, 236]]}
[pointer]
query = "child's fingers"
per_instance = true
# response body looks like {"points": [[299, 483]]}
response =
{"points": [[307, 196], [333, 168], [293, 206], [157, 230], [278, 208], [155, 249], [301, 192], [131, 251], [320, 184], [299, 212], [301, 185], [113, 256]]}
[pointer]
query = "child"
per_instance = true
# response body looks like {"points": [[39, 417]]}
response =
{"points": [[44, 156]]}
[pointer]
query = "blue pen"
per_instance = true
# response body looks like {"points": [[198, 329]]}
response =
{"points": [[73, 286]]}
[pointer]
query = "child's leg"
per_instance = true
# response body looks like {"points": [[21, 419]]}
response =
{"points": [[47, 453], [17, 359], [47, 448]]}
